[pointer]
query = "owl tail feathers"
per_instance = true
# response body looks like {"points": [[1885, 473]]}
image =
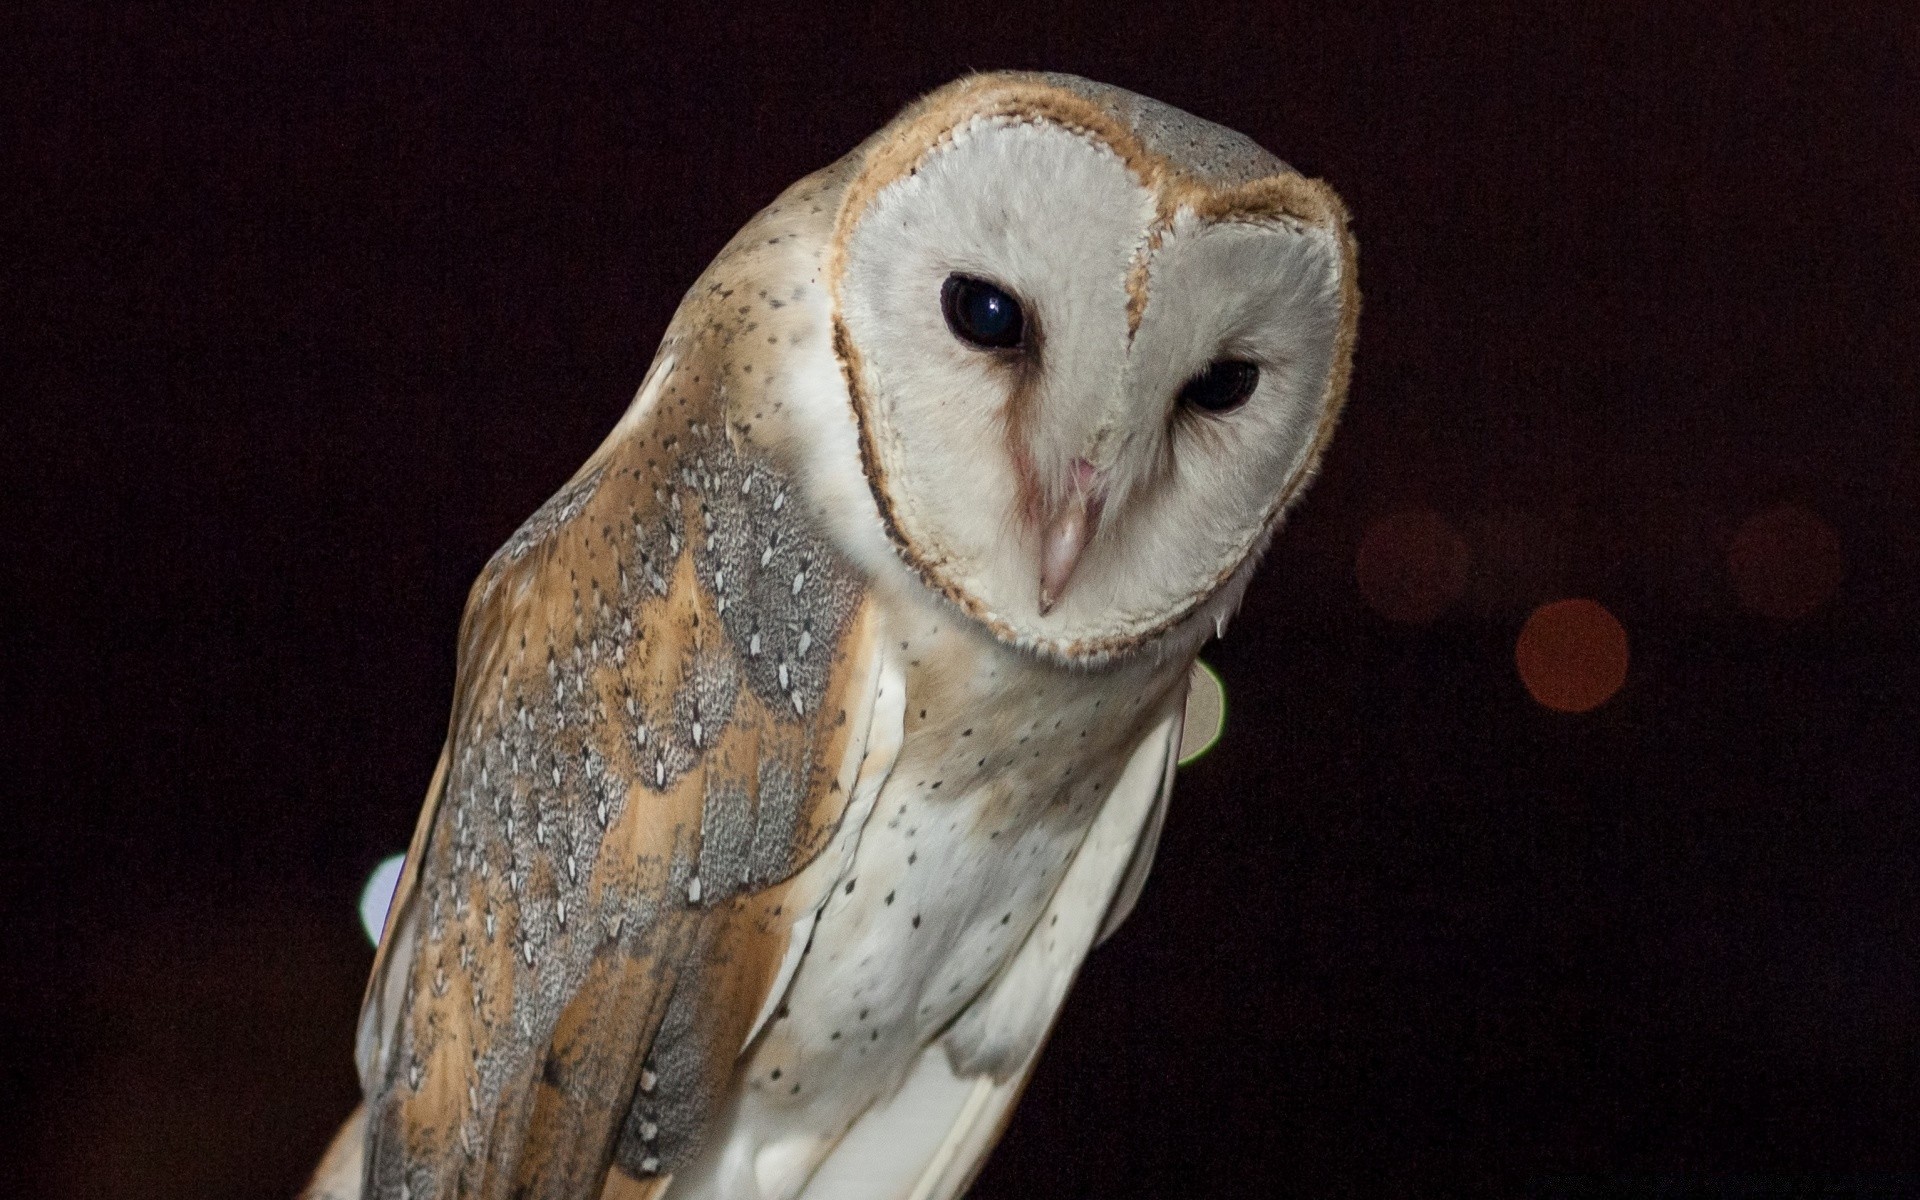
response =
{"points": [[340, 1171]]}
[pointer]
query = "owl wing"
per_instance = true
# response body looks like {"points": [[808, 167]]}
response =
{"points": [[661, 712], [929, 1140]]}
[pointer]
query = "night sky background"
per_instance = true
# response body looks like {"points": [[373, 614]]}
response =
{"points": [[305, 308]]}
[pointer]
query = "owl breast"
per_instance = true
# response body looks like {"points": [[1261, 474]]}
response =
{"points": [[1004, 764]]}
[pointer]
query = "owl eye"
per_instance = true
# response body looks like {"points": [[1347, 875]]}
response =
{"points": [[1224, 386], [980, 314]]}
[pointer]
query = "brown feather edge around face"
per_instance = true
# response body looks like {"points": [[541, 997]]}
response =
{"points": [[930, 124]]}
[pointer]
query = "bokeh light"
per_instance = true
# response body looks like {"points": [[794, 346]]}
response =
{"points": [[1785, 562], [1411, 566], [1206, 715], [1572, 655], [377, 895]]}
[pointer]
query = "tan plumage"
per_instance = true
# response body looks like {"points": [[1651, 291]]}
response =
{"points": [[721, 678]]}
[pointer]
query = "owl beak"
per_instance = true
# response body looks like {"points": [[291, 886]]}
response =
{"points": [[1067, 535]]}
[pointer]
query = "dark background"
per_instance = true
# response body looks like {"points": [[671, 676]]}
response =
{"points": [[305, 310]]}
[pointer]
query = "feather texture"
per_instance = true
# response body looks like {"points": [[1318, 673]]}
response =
{"points": [[774, 821], [666, 679]]}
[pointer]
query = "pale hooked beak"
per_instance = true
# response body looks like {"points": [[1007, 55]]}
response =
{"points": [[1067, 534]]}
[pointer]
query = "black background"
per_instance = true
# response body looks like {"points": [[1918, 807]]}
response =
{"points": [[307, 308]]}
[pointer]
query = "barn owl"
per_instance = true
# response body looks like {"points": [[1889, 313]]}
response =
{"points": [[807, 740]]}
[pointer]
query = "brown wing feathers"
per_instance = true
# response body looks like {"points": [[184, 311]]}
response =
{"points": [[662, 674]]}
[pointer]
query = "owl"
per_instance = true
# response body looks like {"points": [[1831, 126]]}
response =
{"points": [[806, 742]]}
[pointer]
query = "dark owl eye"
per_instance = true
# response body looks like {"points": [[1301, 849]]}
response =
{"points": [[980, 314], [1224, 386]]}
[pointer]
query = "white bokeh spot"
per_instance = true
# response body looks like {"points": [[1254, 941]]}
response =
{"points": [[378, 895]]}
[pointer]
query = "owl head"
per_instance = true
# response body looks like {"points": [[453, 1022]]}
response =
{"points": [[1094, 347]]}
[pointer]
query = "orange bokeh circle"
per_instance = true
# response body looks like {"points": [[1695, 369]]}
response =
{"points": [[1785, 562], [1411, 566], [1572, 655]]}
